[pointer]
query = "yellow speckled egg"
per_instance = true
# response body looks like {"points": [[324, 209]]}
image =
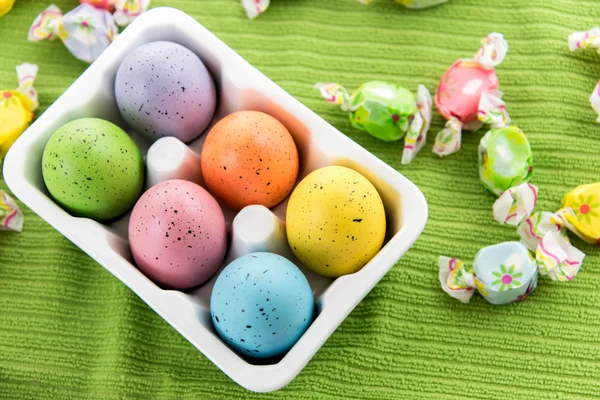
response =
{"points": [[335, 221]]}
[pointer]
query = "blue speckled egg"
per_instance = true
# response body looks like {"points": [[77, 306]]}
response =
{"points": [[261, 304], [164, 89]]}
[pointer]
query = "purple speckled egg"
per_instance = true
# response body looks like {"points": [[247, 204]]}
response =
{"points": [[164, 89], [177, 234]]}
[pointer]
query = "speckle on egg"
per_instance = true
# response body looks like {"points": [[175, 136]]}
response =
{"points": [[93, 169], [250, 320], [177, 234], [335, 221], [164, 89], [249, 158]]}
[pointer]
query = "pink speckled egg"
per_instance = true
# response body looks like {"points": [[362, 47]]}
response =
{"points": [[461, 87], [177, 234]]}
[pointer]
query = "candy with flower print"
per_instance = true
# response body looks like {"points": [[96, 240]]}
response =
{"points": [[17, 107], [506, 272], [503, 273], [412, 4], [85, 31], [580, 212], [460, 89], [386, 111], [11, 218], [505, 157]]}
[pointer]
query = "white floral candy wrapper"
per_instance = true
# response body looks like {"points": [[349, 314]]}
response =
{"points": [[493, 50], [455, 279], [515, 204], [417, 133], [86, 31], [492, 110], [557, 258], [595, 100], [255, 7], [11, 218], [448, 140], [533, 229], [335, 93], [585, 39], [128, 10]]}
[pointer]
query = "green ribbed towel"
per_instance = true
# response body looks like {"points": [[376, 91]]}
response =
{"points": [[69, 329]]}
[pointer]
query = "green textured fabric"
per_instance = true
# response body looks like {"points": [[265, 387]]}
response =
{"points": [[69, 329]]}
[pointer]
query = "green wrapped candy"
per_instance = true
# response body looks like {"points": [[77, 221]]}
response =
{"points": [[505, 159], [386, 111]]}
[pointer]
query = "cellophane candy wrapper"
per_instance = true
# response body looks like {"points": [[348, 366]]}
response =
{"points": [[505, 157], [386, 111], [555, 255], [584, 40], [533, 229], [580, 212], [17, 107], [125, 11], [6, 6], [460, 89], [412, 4], [254, 8], [503, 273], [515, 204], [85, 31], [11, 218]]}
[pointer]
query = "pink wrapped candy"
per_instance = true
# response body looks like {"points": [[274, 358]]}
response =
{"points": [[460, 89]]}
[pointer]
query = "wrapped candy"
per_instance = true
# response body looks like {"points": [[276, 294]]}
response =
{"points": [[503, 273], [583, 40], [506, 272], [11, 218], [6, 6], [86, 31], [413, 4], [17, 107], [580, 212], [505, 158], [387, 111], [125, 11], [460, 89]]}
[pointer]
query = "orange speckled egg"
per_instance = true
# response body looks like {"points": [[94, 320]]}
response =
{"points": [[249, 158]]}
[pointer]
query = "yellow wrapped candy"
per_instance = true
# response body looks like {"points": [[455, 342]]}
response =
{"points": [[6, 6], [17, 107], [580, 212]]}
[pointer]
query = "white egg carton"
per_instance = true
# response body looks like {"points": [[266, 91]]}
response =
{"points": [[240, 87]]}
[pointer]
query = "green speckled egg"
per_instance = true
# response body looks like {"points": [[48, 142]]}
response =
{"points": [[93, 169]]}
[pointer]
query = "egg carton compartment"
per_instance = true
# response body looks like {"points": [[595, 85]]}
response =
{"points": [[255, 228]]}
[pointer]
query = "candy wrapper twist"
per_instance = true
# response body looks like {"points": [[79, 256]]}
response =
{"points": [[386, 111], [11, 218], [506, 272], [584, 40], [17, 107], [505, 157], [540, 232], [460, 90], [254, 8], [413, 4], [124, 11], [85, 31]]}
